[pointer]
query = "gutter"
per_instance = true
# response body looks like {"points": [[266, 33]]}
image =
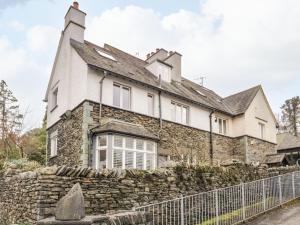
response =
{"points": [[159, 88], [211, 147]]}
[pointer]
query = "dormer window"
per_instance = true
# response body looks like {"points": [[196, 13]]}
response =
{"points": [[106, 55]]}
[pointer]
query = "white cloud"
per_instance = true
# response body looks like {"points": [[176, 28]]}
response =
{"points": [[41, 39], [247, 41], [16, 25]]}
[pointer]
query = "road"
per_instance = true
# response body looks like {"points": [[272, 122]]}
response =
{"points": [[289, 215]]}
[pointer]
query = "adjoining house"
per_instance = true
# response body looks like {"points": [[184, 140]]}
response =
{"points": [[109, 109], [288, 151]]}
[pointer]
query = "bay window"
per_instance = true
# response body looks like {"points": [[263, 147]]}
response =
{"points": [[121, 96], [53, 144], [124, 152], [180, 113]]}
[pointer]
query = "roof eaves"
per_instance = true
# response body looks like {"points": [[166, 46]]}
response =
{"points": [[161, 89]]}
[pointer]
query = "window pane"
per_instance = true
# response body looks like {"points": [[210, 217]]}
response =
{"points": [[126, 98], [184, 115], [118, 141], [220, 126], [224, 126], [129, 143], [149, 161], [118, 158], [102, 141], [150, 105], [150, 146], [116, 95], [173, 112], [102, 160], [139, 144], [129, 159], [178, 114], [140, 160]]}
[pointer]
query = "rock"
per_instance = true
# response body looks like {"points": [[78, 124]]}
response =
{"points": [[71, 207], [48, 170]]}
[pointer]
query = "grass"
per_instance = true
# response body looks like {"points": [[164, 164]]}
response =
{"points": [[233, 214]]}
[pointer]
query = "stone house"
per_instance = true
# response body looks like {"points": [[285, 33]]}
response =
{"points": [[109, 109]]}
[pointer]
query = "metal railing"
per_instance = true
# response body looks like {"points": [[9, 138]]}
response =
{"points": [[226, 206]]}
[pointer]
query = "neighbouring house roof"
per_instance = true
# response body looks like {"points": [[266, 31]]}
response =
{"points": [[121, 127], [133, 68], [240, 102], [286, 141], [274, 158]]}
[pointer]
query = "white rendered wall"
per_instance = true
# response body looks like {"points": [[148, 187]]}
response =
{"points": [[259, 112]]}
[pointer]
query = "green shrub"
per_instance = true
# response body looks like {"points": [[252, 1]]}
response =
{"points": [[23, 164]]}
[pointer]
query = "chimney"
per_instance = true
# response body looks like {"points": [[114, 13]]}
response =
{"points": [[160, 54], [174, 59], [75, 23]]}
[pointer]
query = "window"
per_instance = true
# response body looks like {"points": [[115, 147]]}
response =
{"points": [[150, 98], [180, 113], [53, 144], [261, 130], [101, 152], [54, 98], [135, 153], [106, 55], [222, 126], [121, 96]]}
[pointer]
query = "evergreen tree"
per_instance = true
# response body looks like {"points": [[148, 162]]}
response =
{"points": [[290, 118]]}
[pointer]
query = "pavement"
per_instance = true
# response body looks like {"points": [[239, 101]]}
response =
{"points": [[288, 215]]}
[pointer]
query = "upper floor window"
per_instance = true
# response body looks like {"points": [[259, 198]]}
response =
{"points": [[121, 96], [261, 130], [222, 126], [54, 98], [180, 113], [150, 99], [53, 144]]}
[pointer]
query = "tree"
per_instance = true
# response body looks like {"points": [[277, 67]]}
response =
{"points": [[11, 120], [290, 118]]}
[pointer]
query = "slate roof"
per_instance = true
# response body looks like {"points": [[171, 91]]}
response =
{"points": [[133, 68], [240, 102], [275, 158], [121, 127], [287, 141]]}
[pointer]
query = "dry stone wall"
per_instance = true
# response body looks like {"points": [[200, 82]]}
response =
{"points": [[31, 196]]}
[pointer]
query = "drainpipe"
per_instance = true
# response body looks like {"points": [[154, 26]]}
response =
{"points": [[101, 88], [160, 108], [211, 147]]}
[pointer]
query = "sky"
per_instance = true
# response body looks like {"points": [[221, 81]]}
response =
{"points": [[234, 44]]}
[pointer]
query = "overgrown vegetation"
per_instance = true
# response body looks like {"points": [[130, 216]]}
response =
{"points": [[17, 143]]}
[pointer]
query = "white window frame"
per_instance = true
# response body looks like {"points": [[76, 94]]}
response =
{"points": [[121, 86], [222, 130], [174, 113], [150, 111], [54, 98], [135, 150], [262, 130], [53, 144], [101, 148]]}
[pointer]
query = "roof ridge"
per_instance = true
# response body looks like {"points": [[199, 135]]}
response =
{"points": [[240, 92]]}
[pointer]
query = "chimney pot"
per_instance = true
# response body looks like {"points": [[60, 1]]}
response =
{"points": [[76, 5], [152, 53], [148, 55], [157, 49]]}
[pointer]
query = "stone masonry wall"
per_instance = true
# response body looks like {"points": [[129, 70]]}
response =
{"points": [[176, 139], [28, 197], [69, 142], [258, 149]]}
